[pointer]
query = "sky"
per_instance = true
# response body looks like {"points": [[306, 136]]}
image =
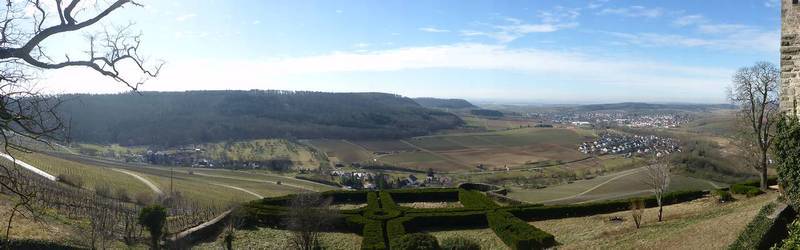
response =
{"points": [[544, 51]]}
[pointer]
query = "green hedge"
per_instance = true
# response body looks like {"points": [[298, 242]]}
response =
{"points": [[475, 199], [372, 236], [445, 221], [517, 233], [35, 245], [757, 183], [372, 201], [254, 214], [534, 212], [746, 189], [763, 232], [424, 195], [337, 196]]}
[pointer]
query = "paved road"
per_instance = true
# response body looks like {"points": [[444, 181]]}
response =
{"points": [[29, 167], [147, 182]]}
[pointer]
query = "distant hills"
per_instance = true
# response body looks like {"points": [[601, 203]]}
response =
{"points": [[638, 106], [177, 118], [444, 103]]}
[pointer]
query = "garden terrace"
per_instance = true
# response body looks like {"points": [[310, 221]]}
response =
{"points": [[382, 219]]}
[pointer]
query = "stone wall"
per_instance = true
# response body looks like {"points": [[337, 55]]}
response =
{"points": [[790, 56]]}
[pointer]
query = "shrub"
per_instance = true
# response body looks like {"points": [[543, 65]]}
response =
{"points": [[122, 194], [416, 241], [460, 243], [153, 218], [36, 244], [763, 232], [102, 190], [518, 234], [754, 192], [786, 153], [793, 241], [723, 196], [143, 198], [70, 179]]}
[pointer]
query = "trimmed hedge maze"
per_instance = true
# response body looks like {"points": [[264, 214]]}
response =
{"points": [[383, 220]]}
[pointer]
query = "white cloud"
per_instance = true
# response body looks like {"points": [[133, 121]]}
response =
{"points": [[690, 20], [560, 67], [433, 30], [256, 22], [772, 3], [185, 17], [554, 20], [740, 40], [634, 11], [361, 45], [339, 11]]}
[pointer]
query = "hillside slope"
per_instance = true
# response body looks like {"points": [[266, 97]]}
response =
{"points": [[444, 103], [177, 118]]}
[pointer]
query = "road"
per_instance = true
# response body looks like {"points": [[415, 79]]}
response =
{"points": [[147, 182], [29, 167]]}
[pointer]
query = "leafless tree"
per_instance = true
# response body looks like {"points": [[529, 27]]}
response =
{"points": [[309, 215], [637, 210], [657, 179], [755, 90], [25, 25]]}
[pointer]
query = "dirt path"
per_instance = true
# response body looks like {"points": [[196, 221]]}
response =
{"points": [[240, 189], [147, 182]]}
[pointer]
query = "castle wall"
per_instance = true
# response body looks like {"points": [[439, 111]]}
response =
{"points": [[790, 56]]}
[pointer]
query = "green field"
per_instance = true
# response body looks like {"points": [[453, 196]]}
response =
{"points": [[342, 151]]}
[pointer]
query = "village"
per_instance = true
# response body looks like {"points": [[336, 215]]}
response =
{"points": [[625, 119], [629, 145]]}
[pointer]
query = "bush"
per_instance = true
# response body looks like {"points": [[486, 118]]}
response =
{"points": [[763, 232], [754, 192], [143, 198], [460, 243], [122, 194], [723, 196], [793, 241], [417, 241], [36, 244], [70, 179], [786, 153], [102, 190], [518, 234], [745, 189]]}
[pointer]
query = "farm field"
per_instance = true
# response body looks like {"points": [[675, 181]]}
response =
{"points": [[495, 124], [465, 151], [92, 176], [341, 150], [699, 224]]}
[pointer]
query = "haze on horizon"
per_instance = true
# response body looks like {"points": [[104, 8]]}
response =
{"points": [[511, 52]]}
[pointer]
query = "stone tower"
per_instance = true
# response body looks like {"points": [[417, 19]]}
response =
{"points": [[790, 56]]}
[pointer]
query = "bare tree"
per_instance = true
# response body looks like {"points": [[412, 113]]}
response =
{"points": [[309, 215], [26, 114], [637, 210], [658, 178], [755, 90]]}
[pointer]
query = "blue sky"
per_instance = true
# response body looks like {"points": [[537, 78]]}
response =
{"points": [[508, 51]]}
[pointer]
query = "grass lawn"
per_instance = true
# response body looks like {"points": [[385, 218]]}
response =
{"points": [[699, 224], [267, 238], [485, 237]]}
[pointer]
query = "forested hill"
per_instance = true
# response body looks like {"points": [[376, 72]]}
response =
{"points": [[444, 103], [176, 118]]}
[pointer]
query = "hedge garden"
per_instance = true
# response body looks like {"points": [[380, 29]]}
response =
{"points": [[383, 220]]}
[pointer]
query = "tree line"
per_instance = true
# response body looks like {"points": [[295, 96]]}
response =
{"points": [[178, 118]]}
